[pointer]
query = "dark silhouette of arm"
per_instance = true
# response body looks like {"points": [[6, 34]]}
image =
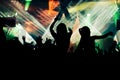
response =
{"points": [[103, 36], [51, 27]]}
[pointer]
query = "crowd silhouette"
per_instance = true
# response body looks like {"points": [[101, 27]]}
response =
{"points": [[59, 48]]}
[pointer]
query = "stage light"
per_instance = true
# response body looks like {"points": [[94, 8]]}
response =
{"points": [[52, 5], [27, 4]]}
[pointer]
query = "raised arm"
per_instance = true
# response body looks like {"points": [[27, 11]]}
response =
{"points": [[103, 36], [52, 25], [55, 20]]}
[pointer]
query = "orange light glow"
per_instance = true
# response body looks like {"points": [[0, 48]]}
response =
{"points": [[44, 18], [52, 5], [29, 26]]}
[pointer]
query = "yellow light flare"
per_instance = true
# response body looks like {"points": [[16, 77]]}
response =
{"points": [[90, 5]]}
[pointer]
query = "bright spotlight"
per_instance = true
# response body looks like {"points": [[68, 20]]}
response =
{"points": [[27, 4]]}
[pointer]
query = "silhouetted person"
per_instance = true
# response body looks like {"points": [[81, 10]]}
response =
{"points": [[62, 37], [86, 45], [113, 51], [14, 47], [2, 35], [39, 46], [2, 40], [27, 47]]}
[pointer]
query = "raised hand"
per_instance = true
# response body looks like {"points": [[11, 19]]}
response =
{"points": [[58, 17]]}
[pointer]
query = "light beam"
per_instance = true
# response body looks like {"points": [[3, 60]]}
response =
{"points": [[27, 4]]}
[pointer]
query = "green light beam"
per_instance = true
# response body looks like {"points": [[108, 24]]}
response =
{"points": [[27, 4]]}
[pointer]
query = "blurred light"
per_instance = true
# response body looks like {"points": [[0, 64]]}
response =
{"points": [[22, 32], [16, 14], [88, 15], [52, 5], [27, 4]]}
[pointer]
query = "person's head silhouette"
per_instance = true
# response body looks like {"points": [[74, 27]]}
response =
{"points": [[84, 31], [61, 28]]}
